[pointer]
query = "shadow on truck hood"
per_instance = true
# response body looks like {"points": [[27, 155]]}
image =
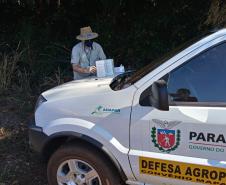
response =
{"points": [[79, 88]]}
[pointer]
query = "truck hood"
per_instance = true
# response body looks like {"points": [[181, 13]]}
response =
{"points": [[79, 88]]}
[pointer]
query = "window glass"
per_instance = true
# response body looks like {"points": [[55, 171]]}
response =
{"points": [[202, 79]]}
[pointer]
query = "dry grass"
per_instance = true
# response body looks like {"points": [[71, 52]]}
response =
{"points": [[8, 67], [15, 77], [53, 80]]}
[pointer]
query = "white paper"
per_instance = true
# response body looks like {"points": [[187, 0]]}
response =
{"points": [[109, 66], [100, 68], [105, 68]]}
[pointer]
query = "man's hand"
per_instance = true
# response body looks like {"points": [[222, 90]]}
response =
{"points": [[92, 69], [77, 68]]}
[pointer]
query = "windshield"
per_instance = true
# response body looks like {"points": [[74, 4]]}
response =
{"points": [[126, 80]]}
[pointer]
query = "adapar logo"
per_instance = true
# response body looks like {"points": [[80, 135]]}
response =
{"points": [[99, 110], [164, 138]]}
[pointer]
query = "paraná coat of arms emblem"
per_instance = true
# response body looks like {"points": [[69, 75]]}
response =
{"points": [[164, 137]]}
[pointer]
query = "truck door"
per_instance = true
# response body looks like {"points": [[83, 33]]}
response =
{"points": [[186, 144]]}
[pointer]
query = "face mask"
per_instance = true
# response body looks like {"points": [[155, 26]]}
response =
{"points": [[89, 43]]}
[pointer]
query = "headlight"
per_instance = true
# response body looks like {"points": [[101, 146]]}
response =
{"points": [[40, 100]]}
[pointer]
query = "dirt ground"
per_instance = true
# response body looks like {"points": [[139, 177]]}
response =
{"points": [[18, 164]]}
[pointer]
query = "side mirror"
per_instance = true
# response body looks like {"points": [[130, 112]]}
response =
{"points": [[159, 95]]}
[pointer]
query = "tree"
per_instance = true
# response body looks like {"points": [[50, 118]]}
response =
{"points": [[217, 14]]}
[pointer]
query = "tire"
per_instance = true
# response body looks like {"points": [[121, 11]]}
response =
{"points": [[82, 155]]}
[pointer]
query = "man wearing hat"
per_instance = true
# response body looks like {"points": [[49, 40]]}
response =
{"points": [[85, 54]]}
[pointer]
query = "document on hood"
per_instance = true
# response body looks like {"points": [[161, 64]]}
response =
{"points": [[105, 68]]}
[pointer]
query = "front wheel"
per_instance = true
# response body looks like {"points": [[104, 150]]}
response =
{"points": [[81, 164]]}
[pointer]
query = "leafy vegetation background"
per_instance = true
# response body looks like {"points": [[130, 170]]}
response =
{"points": [[36, 38]]}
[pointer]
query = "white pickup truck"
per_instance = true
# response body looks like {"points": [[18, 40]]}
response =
{"points": [[162, 125]]}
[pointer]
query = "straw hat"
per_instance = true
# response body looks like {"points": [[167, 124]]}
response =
{"points": [[86, 34]]}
